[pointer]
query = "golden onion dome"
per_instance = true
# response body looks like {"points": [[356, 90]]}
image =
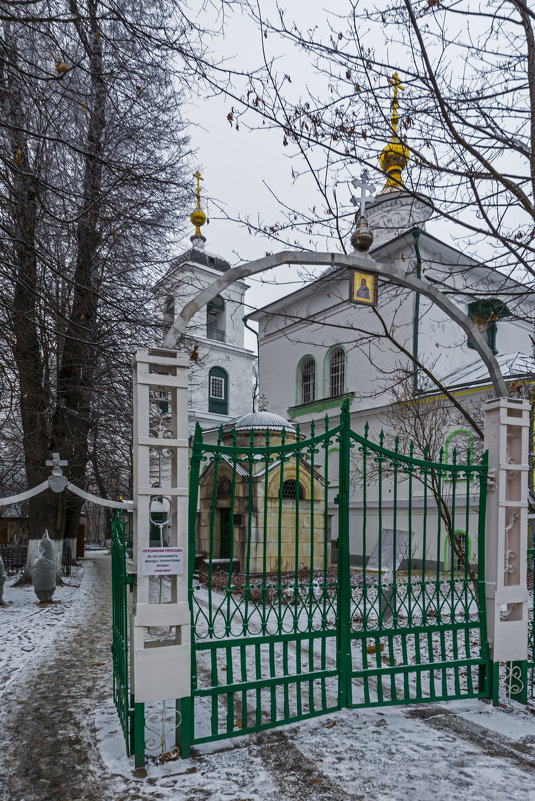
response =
{"points": [[395, 156], [197, 216]]}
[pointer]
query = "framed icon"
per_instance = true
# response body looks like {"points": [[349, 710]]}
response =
{"points": [[363, 288]]}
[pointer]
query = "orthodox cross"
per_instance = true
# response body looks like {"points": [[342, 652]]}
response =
{"points": [[396, 83], [197, 175], [57, 481], [56, 464], [366, 190]]}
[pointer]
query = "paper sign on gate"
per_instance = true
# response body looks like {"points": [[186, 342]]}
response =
{"points": [[162, 561]]}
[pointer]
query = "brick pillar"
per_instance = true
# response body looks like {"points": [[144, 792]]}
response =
{"points": [[507, 440]]}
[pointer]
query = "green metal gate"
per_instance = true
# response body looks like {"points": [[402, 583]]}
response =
{"points": [[530, 666], [120, 579], [279, 632]]}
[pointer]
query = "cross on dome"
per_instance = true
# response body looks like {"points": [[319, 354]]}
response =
{"points": [[395, 156], [366, 190], [198, 217]]}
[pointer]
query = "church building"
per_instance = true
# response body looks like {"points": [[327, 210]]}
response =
{"points": [[221, 380], [318, 350]]}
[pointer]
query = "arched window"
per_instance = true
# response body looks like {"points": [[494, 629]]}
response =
{"points": [[290, 489], [218, 391], [215, 319], [462, 551], [461, 441], [308, 380], [337, 372]]}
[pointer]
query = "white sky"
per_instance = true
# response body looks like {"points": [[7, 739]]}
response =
{"points": [[243, 169]]}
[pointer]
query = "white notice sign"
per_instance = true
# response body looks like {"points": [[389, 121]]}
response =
{"points": [[163, 561]]}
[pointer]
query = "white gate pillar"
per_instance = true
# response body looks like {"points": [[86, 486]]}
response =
{"points": [[161, 668], [507, 440]]}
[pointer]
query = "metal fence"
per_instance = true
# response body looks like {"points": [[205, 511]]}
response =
{"points": [[14, 559], [289, 635]]}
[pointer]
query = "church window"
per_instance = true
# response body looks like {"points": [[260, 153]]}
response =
{"points": [[217, 387], [337, 364], [462, 551], [291, 490], [461, 441], [215, 319], [308, 380], [218, 391]]}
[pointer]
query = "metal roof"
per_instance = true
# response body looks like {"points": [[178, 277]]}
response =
{"points": [[263, 421]]}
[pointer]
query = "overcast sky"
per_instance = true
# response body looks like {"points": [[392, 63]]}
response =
{"points": [[244, 169]]}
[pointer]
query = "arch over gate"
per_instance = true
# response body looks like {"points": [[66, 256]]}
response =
{"points": [[362, 261]]}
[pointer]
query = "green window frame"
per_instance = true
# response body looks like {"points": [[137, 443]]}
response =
{"points": [[337, 371], [218, 391], [307, 379], [449, 450], [457, 566]]}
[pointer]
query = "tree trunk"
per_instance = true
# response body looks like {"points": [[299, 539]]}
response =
{"points": [[33, 391], [72, 419]]}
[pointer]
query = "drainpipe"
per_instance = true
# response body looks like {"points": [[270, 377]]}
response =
{"points": [[416, 234], [246, 324]]}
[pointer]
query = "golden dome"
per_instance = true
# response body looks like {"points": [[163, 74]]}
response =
{"points": [[197, 216], [395, 156]]}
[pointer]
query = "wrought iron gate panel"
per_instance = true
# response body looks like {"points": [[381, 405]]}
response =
{"points": [[418, 624], [280, 634], [119, 648], [264, 637], [531, 631]]}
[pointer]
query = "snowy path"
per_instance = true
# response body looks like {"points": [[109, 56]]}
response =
{"points": [[61, 738]]}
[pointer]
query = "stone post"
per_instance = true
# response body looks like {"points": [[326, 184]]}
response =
{"points": [[507, 440], [161, 668]]}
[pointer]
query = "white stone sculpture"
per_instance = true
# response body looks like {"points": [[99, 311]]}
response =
{"points": [[44, 571]]}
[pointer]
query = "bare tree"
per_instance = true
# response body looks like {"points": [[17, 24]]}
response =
{"points": [[467, 119], [421, 425], [93, 153]]}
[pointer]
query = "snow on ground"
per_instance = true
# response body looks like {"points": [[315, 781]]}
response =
{"points": [[421, 752], [362, 755], [26, 626]]}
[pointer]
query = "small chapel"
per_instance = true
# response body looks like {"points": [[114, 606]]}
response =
{"points": [[264, 514]]}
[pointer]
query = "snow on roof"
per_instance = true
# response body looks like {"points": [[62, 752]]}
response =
{"points": [[512, 365], [263, 420]]}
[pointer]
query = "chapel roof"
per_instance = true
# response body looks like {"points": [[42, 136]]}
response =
{"points": [[263, 421]]}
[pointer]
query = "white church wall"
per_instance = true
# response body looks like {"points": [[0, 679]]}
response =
{"points": [[284, 343], [514, 337], [238, 366]]}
